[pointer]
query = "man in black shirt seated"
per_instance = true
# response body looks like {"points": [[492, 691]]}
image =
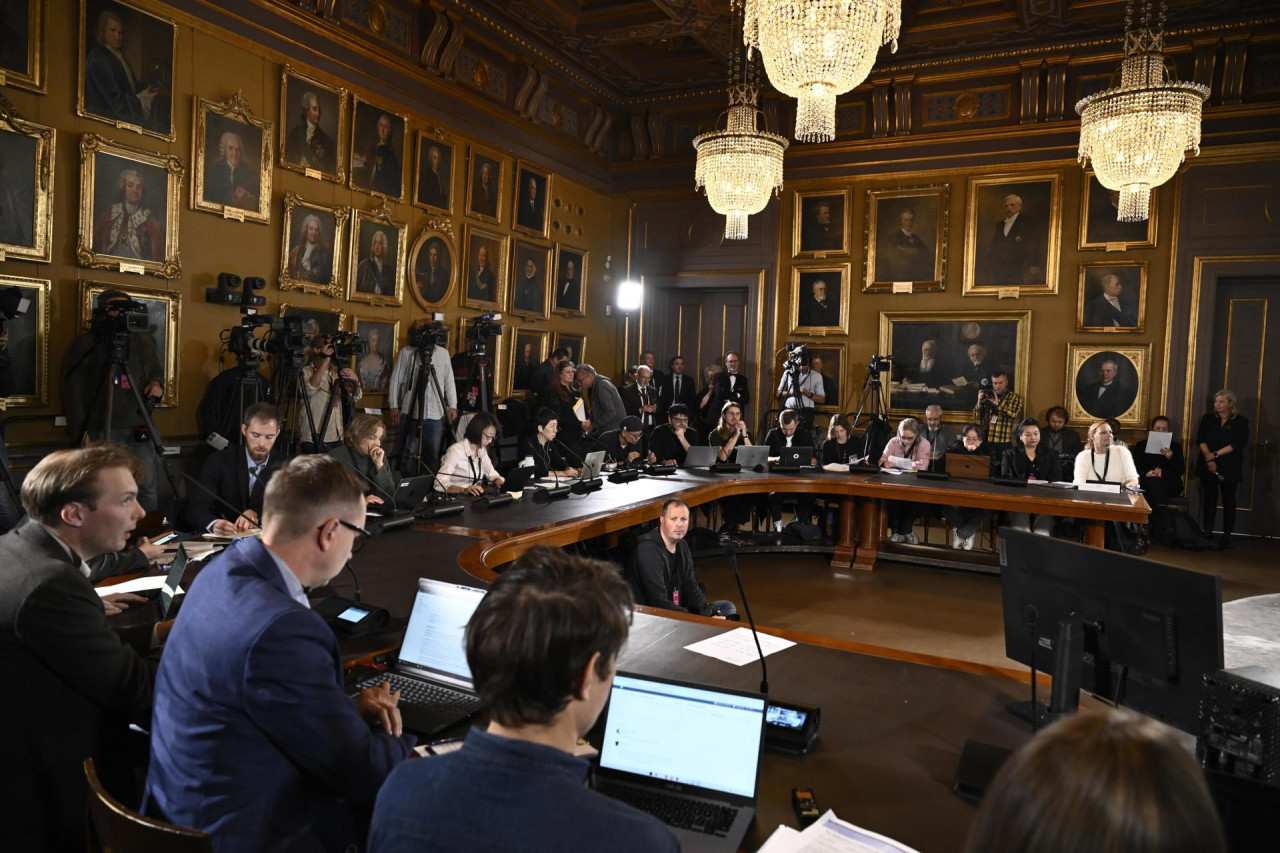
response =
{"points": [[626, 445], [239, 475], [1060, 440], [787, 434], [671, 441], [662, 573]]}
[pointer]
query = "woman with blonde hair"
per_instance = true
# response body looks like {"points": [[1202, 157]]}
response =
{"points": [[362, 452], [1104, 461], [1221, 440]]}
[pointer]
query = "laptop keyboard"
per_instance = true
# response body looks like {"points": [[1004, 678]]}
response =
{"points": [[415, 692], [674, 811]]}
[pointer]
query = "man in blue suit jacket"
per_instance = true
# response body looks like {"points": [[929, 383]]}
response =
{"points": [[253, 738]]}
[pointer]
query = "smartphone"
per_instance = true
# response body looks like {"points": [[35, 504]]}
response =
{"points": [[806, 806]]}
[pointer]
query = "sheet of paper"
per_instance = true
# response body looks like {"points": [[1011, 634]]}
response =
{"points": [[829, 834], [737, 647], [783, 840], [580, 409], [959, 381], [1158, 441], [135, 585]]}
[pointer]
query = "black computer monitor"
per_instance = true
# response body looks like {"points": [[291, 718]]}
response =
{"points": [[1150, 632]]}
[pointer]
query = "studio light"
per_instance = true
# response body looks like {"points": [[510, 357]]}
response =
{"points": [[630, 296]]}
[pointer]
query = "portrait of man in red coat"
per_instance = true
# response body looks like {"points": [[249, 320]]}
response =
{"points": [[128, 227]]}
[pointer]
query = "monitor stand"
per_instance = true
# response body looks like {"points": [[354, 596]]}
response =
{"points": [[1064, 695]]}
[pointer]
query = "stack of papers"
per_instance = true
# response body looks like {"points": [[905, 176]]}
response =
{"points": [[830, 834], [738, 647]]}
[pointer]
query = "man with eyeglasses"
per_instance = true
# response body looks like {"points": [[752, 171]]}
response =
{"points": [[671, 441], [253, 739]]}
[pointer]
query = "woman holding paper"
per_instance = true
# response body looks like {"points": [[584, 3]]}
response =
{"points": [[907, 447], [1105, 462], [1221, 439], [1160, 470]]}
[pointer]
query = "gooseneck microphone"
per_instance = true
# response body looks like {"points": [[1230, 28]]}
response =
{"points": [[733, 563], [582, 485], [355, 579]]}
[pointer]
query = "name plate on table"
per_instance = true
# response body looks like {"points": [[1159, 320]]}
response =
{"points": [[1108, 488]]}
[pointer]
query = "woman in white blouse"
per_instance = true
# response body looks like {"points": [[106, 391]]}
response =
{"points": [[1105, 462], [466, 466]]}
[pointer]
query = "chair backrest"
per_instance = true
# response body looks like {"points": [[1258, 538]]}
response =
{"points": [[113, 828]]}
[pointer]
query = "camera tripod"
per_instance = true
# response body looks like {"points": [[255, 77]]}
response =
{"points": [[289, 390], [426, 367], [876, 432], [479, 375]]}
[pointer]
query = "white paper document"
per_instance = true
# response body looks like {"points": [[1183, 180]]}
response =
{"points": [[737, 647], [830, 834], [135, 585], [1159, 441]]}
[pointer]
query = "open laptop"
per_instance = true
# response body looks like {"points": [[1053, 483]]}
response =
{"points": [[412, 491], [793, 459], [701, 456], [518, 478], [688, 754], [966, 466], [432, 673], [591, 465], [172, 583], [751, 455]]}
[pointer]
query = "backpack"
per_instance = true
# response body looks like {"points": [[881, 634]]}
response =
{"points": [[1183, 532]]}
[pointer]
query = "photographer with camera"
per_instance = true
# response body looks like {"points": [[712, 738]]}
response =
{"points": [[801, 388], [119, 327], [422, 385], [999, 409], [331, 390]]}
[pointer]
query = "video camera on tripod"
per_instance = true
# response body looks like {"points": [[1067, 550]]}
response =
{"points": [[797, 356], [427, 335], [482, 330], [879, 364], [283, 339], [119, 317]]}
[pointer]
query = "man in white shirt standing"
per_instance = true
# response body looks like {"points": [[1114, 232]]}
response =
{"points": [[424, 388]]}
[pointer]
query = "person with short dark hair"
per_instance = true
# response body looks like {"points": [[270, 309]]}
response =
{"points": [[239, 475], [253, 737], [362, 452], [786, 434], [999, 409], [541, 447], [1026, 460], [1160, 474], [662, 572], [626, 445], [965, 521], [73, 683], [676, 387], [542, 647], [1102, 781], [1058, 439], [466, 466], [670, 442], [543, 377]]}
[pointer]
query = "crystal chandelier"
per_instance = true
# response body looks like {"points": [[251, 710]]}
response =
{"points": [[741, 166], [1137, 134], [815, 50]]}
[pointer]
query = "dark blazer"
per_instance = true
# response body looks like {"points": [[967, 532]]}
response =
{"points": [[1099, 312], [254, 738], [631, 402], [1111, 403], [542, 378], [688, 394], [546, 457], [1071, 442], [611, 443], [1015, 464], [227, 474], [107, 89], [741, 394], [71, 686]]}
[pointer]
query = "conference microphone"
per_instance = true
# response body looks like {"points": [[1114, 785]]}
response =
{"points": [[224, 503], [625, 472], [727, 541], [349, 618]]}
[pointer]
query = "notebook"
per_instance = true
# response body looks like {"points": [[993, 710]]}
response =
{"points": [[966, 466], [432, 673], [688, 754]]}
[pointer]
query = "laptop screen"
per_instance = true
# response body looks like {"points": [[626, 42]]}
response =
{"points": [[682, 733], [434, 638]]}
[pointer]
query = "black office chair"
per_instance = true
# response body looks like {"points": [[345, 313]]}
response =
{"points": [[113, 828]]}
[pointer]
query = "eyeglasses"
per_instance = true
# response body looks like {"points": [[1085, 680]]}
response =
{"points": [[361, 535]]}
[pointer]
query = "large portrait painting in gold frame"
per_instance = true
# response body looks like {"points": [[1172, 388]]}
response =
{"points": [[433, 264], [377, 253], [1108, 382], [23, 58], [24, 359], [820, 299], [905, 238], [126, 67], [231, 150], [313, 238], [164, 326], [26, 188], [1012, 236], [313, 116]]}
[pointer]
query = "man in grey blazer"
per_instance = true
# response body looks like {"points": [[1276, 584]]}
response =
{"points": [[607, 410], [74, 684]]}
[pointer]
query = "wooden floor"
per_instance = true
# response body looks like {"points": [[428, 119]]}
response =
{"points": [[933, 611]]}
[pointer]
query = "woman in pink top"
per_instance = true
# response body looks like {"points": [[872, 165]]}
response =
{"points": [[907, 444]]}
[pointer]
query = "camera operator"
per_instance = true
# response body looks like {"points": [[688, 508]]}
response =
{"points": [[1000, 409], [319, 375], [413, 390], [85, 373], [801, 389]]}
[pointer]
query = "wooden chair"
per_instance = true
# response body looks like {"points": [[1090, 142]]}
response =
{"points": [[116, 829]]}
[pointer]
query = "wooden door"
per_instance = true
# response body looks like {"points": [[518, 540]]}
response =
{"points": [[1246, 359]]}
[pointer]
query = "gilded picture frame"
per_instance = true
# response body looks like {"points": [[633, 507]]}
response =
{"points": [[434, 194], [377, 164], [165, 333], [530, 296], [224, 182], [106, 241], [320, 269], [323, 156], [1124, 397], [324, 321], [497, 376], [570, 299], [819, 299], [369, 280], [820, 223], [899, 226], [531, 201], [25, 379], [963, 348], [1099, 228], [485, 190], [26, 188], [26, 67], [574, 342], [433, 284], [383, 337], [1022, 256], [520, 367], [148, 44], [1125, 282], [484, 259]]}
